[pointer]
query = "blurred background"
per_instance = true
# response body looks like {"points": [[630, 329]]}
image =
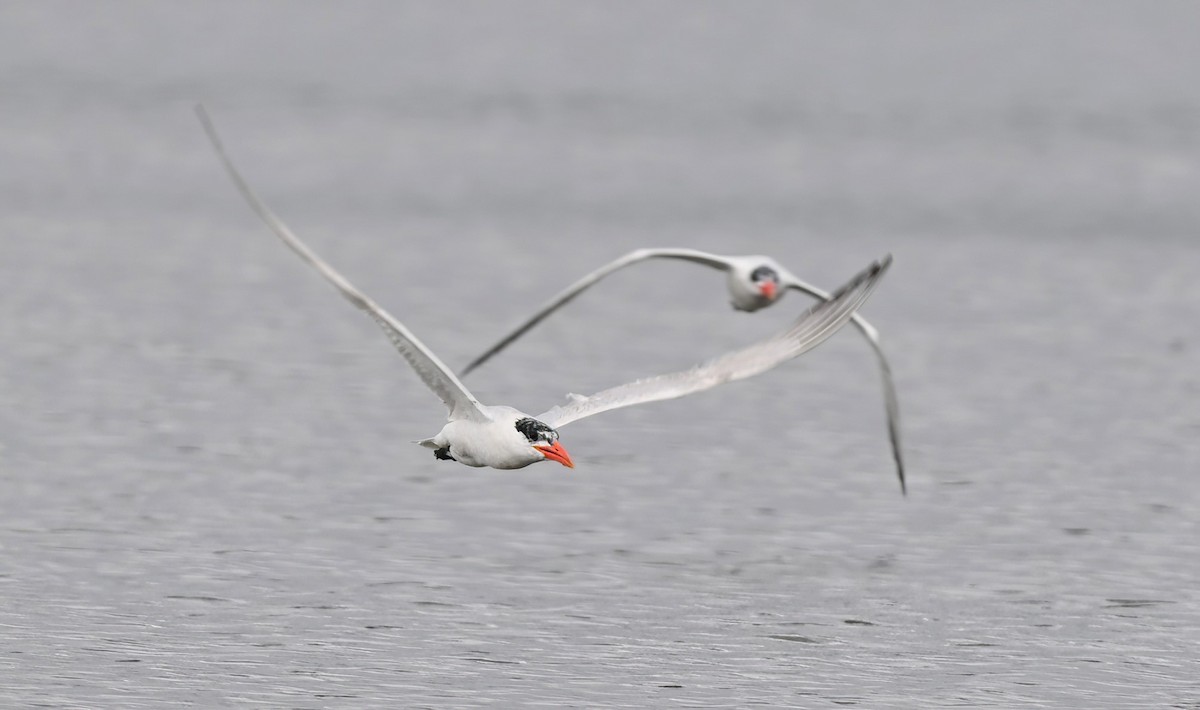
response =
{"points": [[210, 492]]}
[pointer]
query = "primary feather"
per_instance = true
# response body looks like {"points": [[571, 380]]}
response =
{"points": [[811, 329]]}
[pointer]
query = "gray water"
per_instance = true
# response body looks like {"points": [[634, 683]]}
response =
{"points": [[210, 494]]}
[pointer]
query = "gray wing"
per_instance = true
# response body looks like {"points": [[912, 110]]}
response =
{"points": [[570, 292], [890, 401], [436, 376], [808, 331]]}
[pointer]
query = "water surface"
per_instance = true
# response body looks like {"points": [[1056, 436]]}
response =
{"points": [[211, 494]]}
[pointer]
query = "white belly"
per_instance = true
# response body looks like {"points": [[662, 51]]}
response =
{"points": [[494, 444]]}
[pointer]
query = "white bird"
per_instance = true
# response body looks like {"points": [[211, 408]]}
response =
{"points": [[505, 438], [754, 282]]}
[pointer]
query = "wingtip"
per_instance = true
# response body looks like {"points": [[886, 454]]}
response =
{"points": [[882, 264], [201, 112]]}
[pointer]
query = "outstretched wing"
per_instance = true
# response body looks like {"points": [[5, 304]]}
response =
{"points": [[890, 402], [564, 297], [436, 376], [809, 331]]}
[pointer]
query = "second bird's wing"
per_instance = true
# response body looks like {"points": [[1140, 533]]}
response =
{"points": [[461, 403], [891, 402], [808, 331], [570, 292]]}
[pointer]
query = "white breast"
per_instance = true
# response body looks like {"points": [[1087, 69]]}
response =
{"points": [[495, 443]]}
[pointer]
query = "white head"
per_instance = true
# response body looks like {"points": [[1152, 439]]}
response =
{"points": [[754, 282], [543, 440]]}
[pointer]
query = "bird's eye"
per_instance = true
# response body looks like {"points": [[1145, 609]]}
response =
{"points": [[534, 431], [764, 273]]}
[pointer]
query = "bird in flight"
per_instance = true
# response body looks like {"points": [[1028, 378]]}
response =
{"points": [[754, 282], [505, 438]]}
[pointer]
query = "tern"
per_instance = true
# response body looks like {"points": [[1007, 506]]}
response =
{"points": [[754, 282], [505, 438]]}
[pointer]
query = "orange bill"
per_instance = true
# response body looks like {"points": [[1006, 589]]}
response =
{"points": [[556, 452]]}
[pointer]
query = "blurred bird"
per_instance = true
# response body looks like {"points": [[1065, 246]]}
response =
{"points": [[754, 282], [506, 438]]}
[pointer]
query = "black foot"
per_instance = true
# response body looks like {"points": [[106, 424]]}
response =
{"points": [[443, 454]]}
